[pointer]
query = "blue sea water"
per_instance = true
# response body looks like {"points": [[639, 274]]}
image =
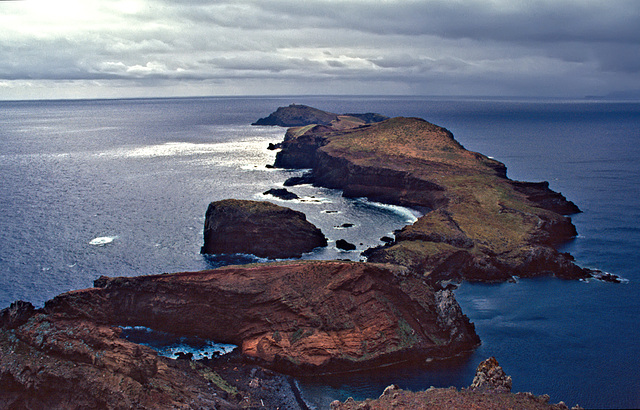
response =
{"points": [[120, 187]]}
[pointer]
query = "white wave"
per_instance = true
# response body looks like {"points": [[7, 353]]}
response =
{"points": [[211, 349], [102, 240], [410, 215], [314, 200], [170, 345]]}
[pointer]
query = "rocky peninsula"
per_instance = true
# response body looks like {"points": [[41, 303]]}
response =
{"points": [[478, 224], [301, 317]]}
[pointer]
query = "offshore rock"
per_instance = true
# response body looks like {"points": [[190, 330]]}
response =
{"points": [[478, 224], [344, 245], [259, 228], [281, 193], [300, 115]]}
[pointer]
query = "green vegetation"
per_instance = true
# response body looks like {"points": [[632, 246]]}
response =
{"points": [[214, 378]]}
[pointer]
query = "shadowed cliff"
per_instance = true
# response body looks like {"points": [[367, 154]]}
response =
{"points": [[478, 224]]}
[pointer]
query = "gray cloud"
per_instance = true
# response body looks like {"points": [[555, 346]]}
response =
{"points": [[562, 47]]}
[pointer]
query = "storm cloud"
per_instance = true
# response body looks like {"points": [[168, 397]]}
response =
{"points": [[562, 48]]}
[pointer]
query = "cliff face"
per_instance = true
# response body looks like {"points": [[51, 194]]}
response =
{"points": [[297, 317], [260, 228], [479, 225], [56, 361]]}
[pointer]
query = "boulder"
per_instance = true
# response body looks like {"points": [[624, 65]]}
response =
{"points": [[281, 193], [260, 228], [490, 377], [344, 245]]}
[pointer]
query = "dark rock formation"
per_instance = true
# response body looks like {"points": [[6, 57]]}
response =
{"points": [[281, 193], [478, 224], [344, 245], [490, 390], [296, 115], [358, 316], [299, 115], [307, 178], [259, 228]]}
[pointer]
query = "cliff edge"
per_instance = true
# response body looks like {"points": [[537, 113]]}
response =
{"points": [[299, 115], [303, 317], [478, 224], [260, 228]]}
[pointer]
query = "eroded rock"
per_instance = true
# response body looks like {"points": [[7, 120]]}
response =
{"points": [[299, 317], [477, 224], [263, 229], [490, 390]]}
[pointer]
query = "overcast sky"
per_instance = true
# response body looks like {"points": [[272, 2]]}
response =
{"points": [[129, 48]]}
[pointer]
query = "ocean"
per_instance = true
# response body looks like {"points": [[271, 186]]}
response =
{"points": [[120, 188]]}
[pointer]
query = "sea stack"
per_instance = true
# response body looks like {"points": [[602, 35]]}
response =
{"points": [[260, 228]]}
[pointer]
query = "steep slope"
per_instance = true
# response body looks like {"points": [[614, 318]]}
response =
{"points": [[478, 224]]}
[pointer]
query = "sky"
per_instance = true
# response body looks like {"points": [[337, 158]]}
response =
{"points": [[162, 48]]}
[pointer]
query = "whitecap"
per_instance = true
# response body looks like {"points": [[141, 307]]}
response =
{"points": [[410, 215], [102, 240]]}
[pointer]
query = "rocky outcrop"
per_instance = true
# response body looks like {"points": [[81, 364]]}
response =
{"points": [[56, 361], [491, 378], [295, 115], [281, 193], [297, 317], [299, 115], [259, 228], [491, 389], [345, 245], [478, 224]]}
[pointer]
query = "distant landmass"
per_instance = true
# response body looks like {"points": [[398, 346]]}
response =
{"points": [[296, 115]]}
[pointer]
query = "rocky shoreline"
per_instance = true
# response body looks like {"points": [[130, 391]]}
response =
{"points": [[302, 317], [478, 225], [299, 318], [490, 389]]}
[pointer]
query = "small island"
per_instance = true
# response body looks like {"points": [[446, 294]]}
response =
{"points": [[260, 228]]}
